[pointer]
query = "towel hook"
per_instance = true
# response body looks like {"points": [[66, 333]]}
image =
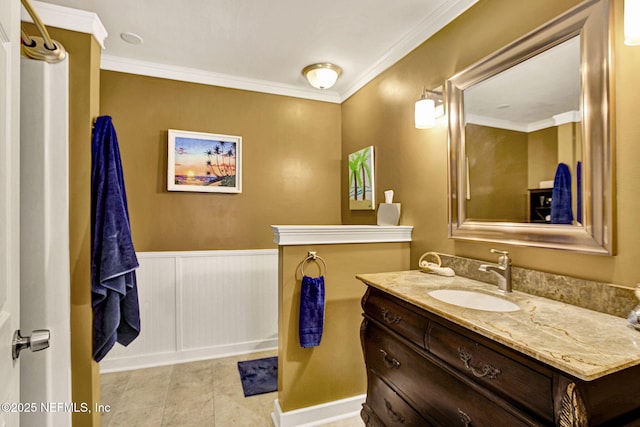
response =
{"points": [[313, 256]]}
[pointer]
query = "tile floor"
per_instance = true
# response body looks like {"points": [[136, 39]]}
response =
{"points": [[206, 393]]}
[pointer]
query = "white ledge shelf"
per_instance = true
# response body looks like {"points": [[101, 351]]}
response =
{"points": [[335, 234]]}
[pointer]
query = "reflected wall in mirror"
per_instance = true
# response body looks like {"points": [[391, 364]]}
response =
{"points": [[530, 138], [519, 125]]}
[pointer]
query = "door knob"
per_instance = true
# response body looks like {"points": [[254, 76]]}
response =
{"points": [[39, 340]]}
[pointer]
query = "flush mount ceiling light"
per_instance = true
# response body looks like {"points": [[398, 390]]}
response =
{"points": [[322, 75], [429, 107], [632, 22]]}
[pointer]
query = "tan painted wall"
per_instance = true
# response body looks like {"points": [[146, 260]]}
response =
{"points": [[543, 156], [291, 162], [498, 163], [335, 369], [414, 162]]}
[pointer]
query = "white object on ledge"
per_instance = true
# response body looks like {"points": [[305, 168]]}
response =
{"points": [[335, 234], [388, 212]]}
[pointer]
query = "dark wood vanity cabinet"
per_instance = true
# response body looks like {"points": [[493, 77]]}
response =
{"points": [[424, 370]]}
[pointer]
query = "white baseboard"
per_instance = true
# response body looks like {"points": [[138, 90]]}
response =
{"points": [[184, 356], [318, 414]]}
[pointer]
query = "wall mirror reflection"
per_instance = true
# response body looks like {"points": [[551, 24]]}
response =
{"points": [[529, 127], [522, 129]]}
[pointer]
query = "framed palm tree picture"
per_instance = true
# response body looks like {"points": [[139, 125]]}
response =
{"points": [[204, 162], [361, 180]]}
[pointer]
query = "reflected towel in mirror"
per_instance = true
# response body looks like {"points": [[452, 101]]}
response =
{"points": [[561, 212]]}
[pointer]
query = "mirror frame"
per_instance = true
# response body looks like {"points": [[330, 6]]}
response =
{"points": [[592, 20]]}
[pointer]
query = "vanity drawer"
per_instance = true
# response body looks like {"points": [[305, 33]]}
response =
{"points": [[389, 407], [396, 317], [528, 387], [432, 390]]}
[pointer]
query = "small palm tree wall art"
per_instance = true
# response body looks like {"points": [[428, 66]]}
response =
{"points": [[204, 162], [361, 180]]}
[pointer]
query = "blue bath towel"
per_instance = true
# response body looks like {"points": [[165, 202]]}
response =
{"points": [[579, 191], [561, 212], [114, 293], [311, 321]]}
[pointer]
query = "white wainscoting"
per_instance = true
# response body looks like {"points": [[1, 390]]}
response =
{"points": [[201, 305]]}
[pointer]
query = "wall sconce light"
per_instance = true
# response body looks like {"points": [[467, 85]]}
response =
{"points": [[429, 107], [632, 22], [322, 75]]}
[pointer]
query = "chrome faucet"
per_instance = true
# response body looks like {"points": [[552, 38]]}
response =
{"points": [[502, 270]]}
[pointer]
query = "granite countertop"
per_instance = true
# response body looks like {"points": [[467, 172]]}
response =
{"points": [[584, 343]]}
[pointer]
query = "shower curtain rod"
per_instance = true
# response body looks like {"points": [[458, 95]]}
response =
{"points": [[41, 48]]}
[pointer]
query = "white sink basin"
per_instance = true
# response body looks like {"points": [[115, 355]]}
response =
{"points": [[474, 300]]}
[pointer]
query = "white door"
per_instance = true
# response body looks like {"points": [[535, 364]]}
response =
{"points": [[9, 208], [44, 238]]}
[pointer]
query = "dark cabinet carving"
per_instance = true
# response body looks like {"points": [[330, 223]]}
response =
{"points": [[423, 370]]}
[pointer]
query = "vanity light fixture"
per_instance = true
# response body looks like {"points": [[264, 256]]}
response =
{"points": [[429, 107], [632, 22], [322, 75]]}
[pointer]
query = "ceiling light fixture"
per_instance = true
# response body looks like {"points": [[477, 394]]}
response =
{"points": [[429, 107], [632, 22], [131, 38], [322, 75]]}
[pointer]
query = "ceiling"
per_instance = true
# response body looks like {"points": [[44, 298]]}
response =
{"points": [[538, 93], [263, 45]]}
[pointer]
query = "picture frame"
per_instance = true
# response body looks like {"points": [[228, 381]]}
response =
{"points": [[361, 179], [204, 162]]}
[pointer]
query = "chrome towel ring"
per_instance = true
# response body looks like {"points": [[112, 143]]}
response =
{"points": [[312, 256]]}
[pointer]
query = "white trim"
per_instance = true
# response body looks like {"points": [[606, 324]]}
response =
{"points": [[414, 38], [193, 75], [210, 253], [68, 19], [184, 356], [88, 22], [179, 300], [428, 27], [557, 120], [572, 116], [334, 234], [172, 297], [319, 414]]}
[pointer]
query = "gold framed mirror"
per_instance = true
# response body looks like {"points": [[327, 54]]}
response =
{"points": [[515, 117]]}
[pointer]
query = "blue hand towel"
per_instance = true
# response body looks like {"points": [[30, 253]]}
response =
{"points": [[311, 321], [561, 212], [114, 294]]}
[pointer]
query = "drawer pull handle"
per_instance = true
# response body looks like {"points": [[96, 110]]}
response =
{"points": [[395, 416], [390, 319], [485, 371], [466, 419], [389, 361]]}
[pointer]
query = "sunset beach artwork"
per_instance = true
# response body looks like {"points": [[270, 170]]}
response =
{"points": [[204, 162]]}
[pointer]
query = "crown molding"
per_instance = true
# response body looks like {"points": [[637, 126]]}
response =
{"points": [[173, 72], [68, 18], [446, 13], [88, 22]]}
